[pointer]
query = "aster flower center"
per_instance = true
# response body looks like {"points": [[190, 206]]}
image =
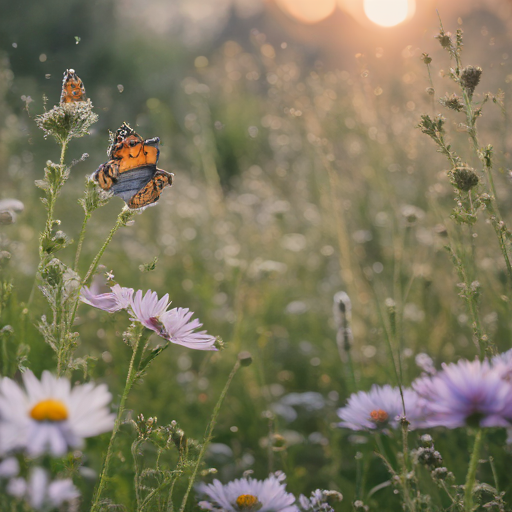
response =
{"points": [[49, 410], [248, 502], [379, 416]]}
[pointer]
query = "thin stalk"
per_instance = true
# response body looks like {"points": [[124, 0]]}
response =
{"points": [[351, 372], [432, 87], [52, 198], [94, 265], [81, 240], [494, 474], [471, 476], [170, 504], [405, 465], [135, 449], [130, 379], [208, 434]]}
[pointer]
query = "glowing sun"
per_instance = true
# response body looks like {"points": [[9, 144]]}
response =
{"points": [[388, 13]]}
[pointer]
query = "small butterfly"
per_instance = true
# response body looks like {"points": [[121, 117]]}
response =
{"points": [[73, 89], [131, 173]]}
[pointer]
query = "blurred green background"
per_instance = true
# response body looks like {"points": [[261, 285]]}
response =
{"points": [[298, 173]]}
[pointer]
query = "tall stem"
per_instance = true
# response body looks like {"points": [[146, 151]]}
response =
{"points": [[471, 476], [208, 434], [81, 240], [94, 265], [130, 378]]}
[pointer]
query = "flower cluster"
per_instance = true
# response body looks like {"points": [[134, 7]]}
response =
{"points": [[467, 393], [174, 325], [43, 417]]}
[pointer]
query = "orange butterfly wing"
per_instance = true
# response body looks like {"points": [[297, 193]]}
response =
{"points": [[73, 89], [134, 152], [150, 193]]}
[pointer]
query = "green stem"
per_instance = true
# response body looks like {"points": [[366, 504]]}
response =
{"points": [[130, 379], [208, 434], [94, 265], [405, 466], [52, 199], [81, 240], [471, 476], [136, 478]]}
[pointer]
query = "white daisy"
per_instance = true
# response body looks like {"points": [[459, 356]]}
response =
{"points": [[248, 495], [49, 416], [40, 493]]}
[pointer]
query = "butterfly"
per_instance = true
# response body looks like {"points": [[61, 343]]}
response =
{"points": [[131, 173], [73, 89]]}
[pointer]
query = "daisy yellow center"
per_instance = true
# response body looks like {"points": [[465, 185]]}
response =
{"points": [[246, 502], [379, 416], [49, 410]]}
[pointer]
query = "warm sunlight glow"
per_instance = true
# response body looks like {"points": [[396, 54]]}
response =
{"points": [[387, 13], [308, 11]]}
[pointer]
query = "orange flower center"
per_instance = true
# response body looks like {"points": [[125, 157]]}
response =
{"points": [[379, 416], [247, 502], [49, 410]]}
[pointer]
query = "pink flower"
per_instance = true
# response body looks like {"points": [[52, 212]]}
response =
{"points": [[180, 329], [119, 298], [148, 309]]}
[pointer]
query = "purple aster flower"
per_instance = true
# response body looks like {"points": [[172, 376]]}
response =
{"points": [[467, 393], [381, 408], [175, 325], [148, 310], [179, 329], [248, 495], [502, 363], [117, 299]]}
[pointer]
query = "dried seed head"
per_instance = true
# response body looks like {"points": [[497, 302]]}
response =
{"points": [[445, 39], [245, 358], [426, 58], [440, 474], [464, 178], [453, 102], [470, 78]]}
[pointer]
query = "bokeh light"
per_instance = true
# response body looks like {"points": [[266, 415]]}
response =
{"points": [[388, 13], [308, 11]]}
